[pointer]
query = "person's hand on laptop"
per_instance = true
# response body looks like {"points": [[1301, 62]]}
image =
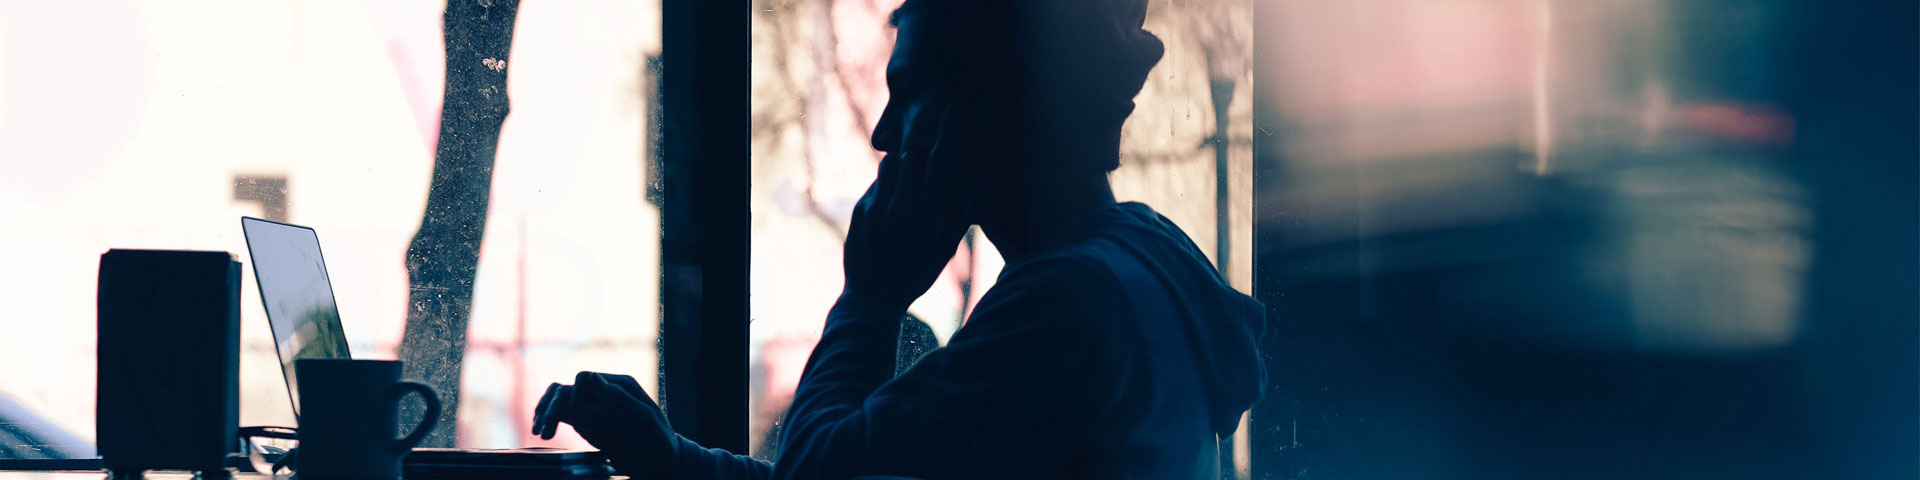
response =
{"points": [[614, 414]]}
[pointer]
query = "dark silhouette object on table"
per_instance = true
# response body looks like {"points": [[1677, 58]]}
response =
{"points": [[349, 413], [1109, 348], [168, 347]]}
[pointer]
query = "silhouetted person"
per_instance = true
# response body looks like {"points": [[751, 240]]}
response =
{"points": [[1110, 347]]}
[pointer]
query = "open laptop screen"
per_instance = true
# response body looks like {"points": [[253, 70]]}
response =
{"points": [[297, 294]]}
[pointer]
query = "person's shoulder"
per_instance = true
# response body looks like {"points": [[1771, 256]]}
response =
{"points": [[1081, 264], [1072, 277]]}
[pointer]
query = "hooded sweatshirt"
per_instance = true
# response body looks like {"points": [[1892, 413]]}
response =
{"points": [[1120, 353]]}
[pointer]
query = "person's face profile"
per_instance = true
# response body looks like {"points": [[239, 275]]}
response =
{"points": [[923, 120], [911, 121]]}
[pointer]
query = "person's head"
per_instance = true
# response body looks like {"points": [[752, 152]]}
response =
{"points": [[1025, 95]]}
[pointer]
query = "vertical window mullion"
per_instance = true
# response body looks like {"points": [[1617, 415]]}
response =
{"points": [[705, 54]]}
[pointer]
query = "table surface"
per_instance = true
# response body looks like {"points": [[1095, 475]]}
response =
{"points": [[154, 475], [99, 475]]}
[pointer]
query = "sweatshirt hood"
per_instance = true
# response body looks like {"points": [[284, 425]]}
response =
{"points": [[1223, 326]]}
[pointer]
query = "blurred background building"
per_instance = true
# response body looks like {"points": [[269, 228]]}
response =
{"points": [[1563, 239]]}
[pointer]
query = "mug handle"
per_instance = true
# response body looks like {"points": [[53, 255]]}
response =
{"points": [[404, 445]]}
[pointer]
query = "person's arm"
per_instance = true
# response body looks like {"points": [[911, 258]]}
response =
{"points": [[616, 415], [714, 463], [1014, 385]]}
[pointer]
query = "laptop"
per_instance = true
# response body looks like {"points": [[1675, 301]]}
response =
{"points": [[298, 296]]}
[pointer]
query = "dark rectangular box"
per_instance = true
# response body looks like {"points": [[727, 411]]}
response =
{"points": [[169, 351]]}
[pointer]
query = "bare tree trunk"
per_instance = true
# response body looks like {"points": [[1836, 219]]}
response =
{"points": [[445, 252]]}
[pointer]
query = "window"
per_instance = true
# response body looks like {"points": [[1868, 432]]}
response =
{"points": [[1565, 239], [157, 127], [818, 87], [1496, 238]]}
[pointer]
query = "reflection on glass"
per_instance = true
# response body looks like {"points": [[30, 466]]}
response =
{"points": [[1500, 235], [1584, 130]]}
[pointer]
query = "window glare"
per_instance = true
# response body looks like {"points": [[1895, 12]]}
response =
{"points": [[138, 125]]}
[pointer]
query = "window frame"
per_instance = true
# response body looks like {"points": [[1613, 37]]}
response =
{"points": [[706, 72], [1263, 425]]}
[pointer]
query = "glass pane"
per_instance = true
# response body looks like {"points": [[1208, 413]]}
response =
{"points": [[1569, 239], [818, 88], [158, 127]]}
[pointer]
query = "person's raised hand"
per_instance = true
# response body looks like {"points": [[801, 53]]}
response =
{"points": [[907, 225], [616, 415]]}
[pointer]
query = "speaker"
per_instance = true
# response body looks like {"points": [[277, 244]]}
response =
{"points": [[169, 347]]}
